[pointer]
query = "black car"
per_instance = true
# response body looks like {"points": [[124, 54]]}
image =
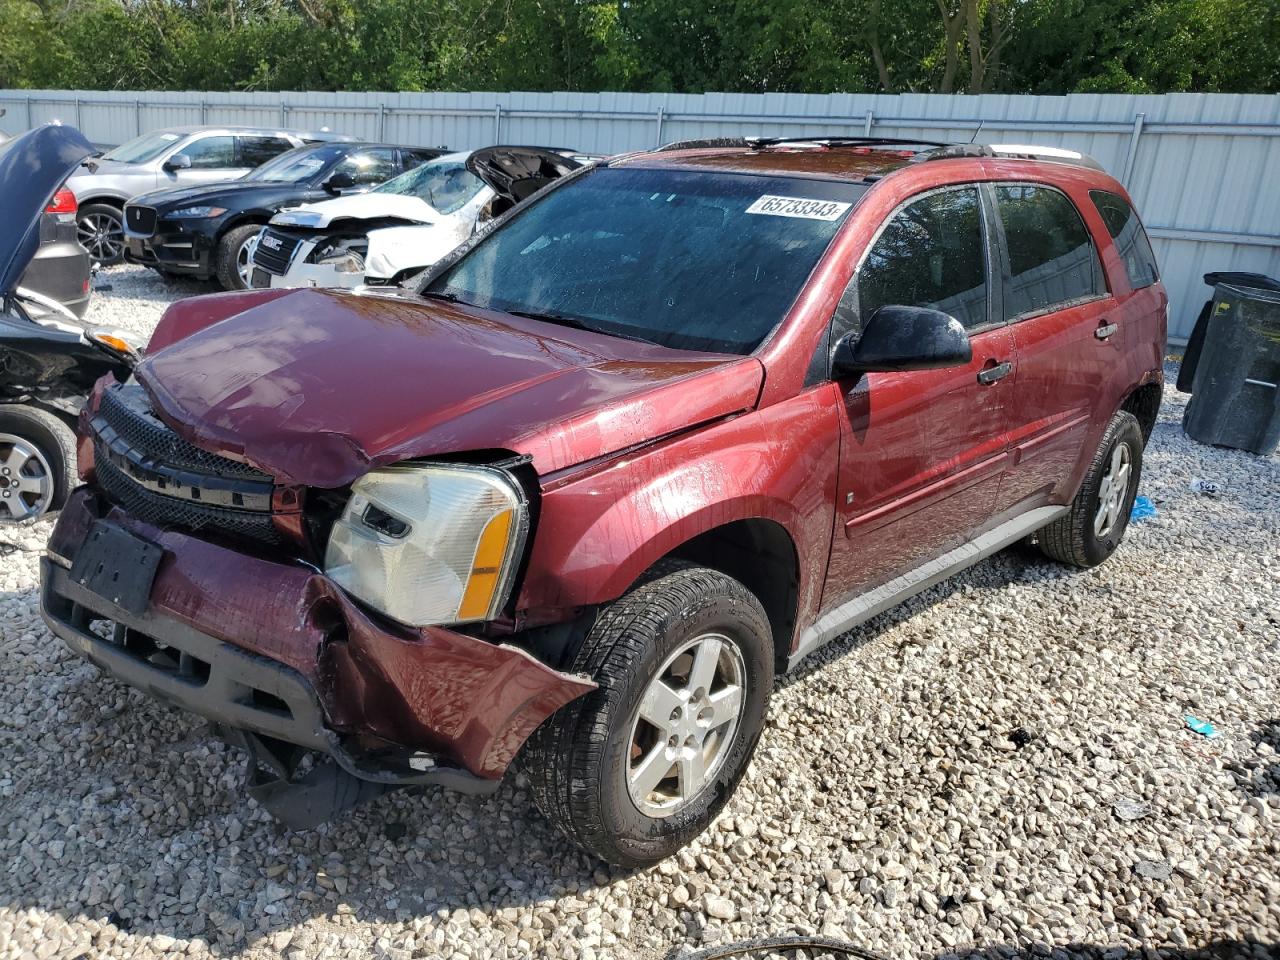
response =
{"points": [[49, 359], [207, 230]]}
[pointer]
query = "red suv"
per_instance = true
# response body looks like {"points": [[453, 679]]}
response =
{"points": [[668, 427]]}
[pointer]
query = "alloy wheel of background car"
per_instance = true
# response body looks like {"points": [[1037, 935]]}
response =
{"points": [[233, 263], [244, 261], [26, 480], [101, 232], [684, 724]]}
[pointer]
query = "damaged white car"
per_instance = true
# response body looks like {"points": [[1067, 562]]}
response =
{"points": [[404, 225]]}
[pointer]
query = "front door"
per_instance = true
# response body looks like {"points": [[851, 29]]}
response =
{"points": [[213, 160], [922, 452]]}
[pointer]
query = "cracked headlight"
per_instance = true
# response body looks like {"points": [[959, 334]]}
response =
{"points": [[430, 544], [344, 261]]}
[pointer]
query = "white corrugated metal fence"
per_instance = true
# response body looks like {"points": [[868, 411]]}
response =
{"points": [[1204, 169]]}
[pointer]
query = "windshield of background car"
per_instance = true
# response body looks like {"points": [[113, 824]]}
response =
{"points": [[143, 148], [446, 186], [689, 260], [293, 166]]}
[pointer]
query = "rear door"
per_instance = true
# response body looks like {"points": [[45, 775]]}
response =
{"points": [[922, 452], [1064, 325], [254, 151]]}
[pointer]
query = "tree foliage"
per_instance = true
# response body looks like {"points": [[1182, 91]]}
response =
{"points": [[973, 46]]}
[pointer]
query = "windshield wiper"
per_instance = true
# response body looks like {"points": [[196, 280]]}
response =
{"points": [[567, 320], [446, 297]]}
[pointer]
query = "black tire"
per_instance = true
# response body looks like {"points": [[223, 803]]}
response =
{"points": [[55, 442], [229, 248], [1072, 538], [577, 761], [93, 217]]}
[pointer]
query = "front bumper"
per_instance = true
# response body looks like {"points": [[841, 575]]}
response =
{"points": [[300, 273], [182, 252], [276, 649]]}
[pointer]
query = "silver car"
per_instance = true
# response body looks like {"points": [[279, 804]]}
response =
{"points": [[174, 157]]}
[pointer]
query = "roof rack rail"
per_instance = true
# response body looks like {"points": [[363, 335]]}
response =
{"points": [[1012, 151], [757, 143]]}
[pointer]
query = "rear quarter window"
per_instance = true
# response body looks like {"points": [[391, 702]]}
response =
{"points": [[1130, 239], [1052, 260]]}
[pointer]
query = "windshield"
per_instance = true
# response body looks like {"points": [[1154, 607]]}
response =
{"points": [[295, 165], [143, 148], [445, 185], [690, 260]]}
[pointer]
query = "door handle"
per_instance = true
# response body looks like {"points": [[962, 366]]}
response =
{"points": [[989, 375], [1105, 330]]}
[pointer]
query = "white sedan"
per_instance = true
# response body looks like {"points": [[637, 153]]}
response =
{"points": [[404, 225]]}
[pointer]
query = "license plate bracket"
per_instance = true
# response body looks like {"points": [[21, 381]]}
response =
{"points": [[259, 278], [117, 565]]}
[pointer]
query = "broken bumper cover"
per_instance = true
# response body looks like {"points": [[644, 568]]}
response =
{"points": [[276, 649]]}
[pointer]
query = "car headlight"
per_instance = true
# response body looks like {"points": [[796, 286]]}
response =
{"points": [[197, 212], [344, 261], [430, 544]]}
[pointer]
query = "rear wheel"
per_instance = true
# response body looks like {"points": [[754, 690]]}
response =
{"points": [[639, 767], [37, 463], [233, 265], [1094, 526], [100, 230]]}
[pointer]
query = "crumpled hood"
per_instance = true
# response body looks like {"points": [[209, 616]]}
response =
{"points": [[396, 249], [318, 386], [360, 206]]}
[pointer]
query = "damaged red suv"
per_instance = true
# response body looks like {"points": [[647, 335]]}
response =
{"points": [[668, 427]]}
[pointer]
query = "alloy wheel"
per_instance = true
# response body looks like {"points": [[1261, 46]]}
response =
{"points": [[244, 261], [26, 482], [685, 724], [102, 235], [1113, 491]]}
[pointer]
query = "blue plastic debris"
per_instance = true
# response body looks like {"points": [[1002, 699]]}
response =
{"points": [[1202, 727], [1142, 508]]}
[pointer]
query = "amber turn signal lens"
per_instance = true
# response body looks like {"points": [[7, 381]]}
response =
{"points": [[487, 568], [114, 342]]}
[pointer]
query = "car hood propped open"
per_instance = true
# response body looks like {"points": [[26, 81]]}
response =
{"points": [[326, 385], [517, 173], [32, 168]]}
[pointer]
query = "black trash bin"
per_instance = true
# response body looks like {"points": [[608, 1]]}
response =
{"points": [[1233, 364]]}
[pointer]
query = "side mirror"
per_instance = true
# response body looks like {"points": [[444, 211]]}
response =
{"points": [[179, 161], [339, 182], [903, 338]]}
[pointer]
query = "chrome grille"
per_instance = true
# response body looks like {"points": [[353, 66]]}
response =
{"points": [[274, 251]]}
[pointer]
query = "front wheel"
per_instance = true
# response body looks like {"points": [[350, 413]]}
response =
{"points": [[100, 230], [37, 463], [639, 767], [234, 268], [1094, 526]]}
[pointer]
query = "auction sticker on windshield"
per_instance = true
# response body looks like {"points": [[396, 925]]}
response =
{"points": [[798, 207]]}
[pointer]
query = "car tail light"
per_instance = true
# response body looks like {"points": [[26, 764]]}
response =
{"points": [[64, 201]]}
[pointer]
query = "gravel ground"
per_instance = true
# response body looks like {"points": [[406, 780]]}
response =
{"points": [[961, 773]]}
